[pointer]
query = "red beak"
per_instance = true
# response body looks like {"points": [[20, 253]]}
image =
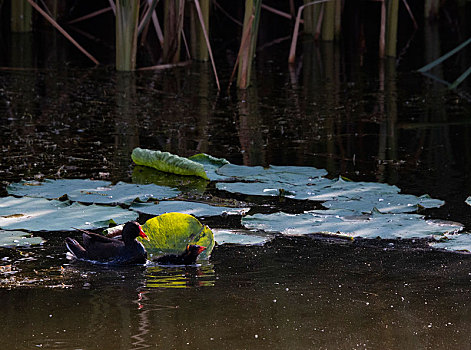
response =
{"points": [[142, 234], [201, 249]]}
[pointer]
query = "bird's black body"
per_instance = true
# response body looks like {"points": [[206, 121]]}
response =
{"points": [[188, 257], [99, 248]]}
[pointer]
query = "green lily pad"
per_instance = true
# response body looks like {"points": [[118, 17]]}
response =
{"points": [[91, 191], [170, 233], [385, 203], [167, 162], [18, 239], [345, 222], [39, 214], [240, 237], [456, 243], [293, 175], [192, 208], [211, 165]]}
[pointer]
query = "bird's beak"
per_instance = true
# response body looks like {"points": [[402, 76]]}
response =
{"points": [[142, 234], [201, 249]]}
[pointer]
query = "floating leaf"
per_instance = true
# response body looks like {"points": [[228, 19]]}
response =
{"points": [[456, 243], [344, 222], [39, 214], [91, 191], [293, 175], [18, 239], [53, 189], [211, 165], [192, 208], [167, 162], [170, 234], [241, 237], [386, 203]]}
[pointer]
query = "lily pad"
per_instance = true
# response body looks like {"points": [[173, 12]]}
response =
{"points": [[454, 242], [344, 222], [240, 237], [211, 165], [167, 162], [91, 191], [170, 233], [39, 214], [192, 208], [385, 203], [18, 239], [293, 175]]}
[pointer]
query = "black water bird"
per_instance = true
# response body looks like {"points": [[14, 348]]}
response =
{"points": [[188, 257], [98, 248]]}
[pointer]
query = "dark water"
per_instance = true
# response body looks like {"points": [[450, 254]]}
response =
{"points": [[352, 115]]}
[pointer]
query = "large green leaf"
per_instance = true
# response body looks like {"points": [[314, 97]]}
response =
{"points": [[39, 214], [345, 222], [167, 162], [91, 191], [170, 233]]}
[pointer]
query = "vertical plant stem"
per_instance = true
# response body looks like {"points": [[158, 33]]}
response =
{"points": [[173, 25], [252, 8], [206, 38], [382, 30], [21, 16], [200, 25], [338, 19], [127, 18], [391, 30], [431, 8], [328, 26]]}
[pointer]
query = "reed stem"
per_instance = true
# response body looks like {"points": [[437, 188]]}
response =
{"points": [[127, 17], [252, 8], [21, 16]]}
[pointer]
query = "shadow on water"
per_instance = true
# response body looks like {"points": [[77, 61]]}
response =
{"points": [[358, 117]]}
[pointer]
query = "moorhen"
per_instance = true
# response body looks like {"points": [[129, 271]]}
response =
{"points": [[188, 257], [103, 249]]}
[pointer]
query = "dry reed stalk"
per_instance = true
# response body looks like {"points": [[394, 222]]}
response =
{"points": [[165, 66], [62, 31], [208, 45], [382, 30], [173, 25], [294, 41], [252, 8], [243, 44], [90, 15], [147, 16], [158, 29]]}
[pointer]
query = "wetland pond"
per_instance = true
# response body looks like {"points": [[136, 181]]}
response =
{"points": [[375, 122]]}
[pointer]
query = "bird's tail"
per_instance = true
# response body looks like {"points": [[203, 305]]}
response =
{"points": [[75, 248]]}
